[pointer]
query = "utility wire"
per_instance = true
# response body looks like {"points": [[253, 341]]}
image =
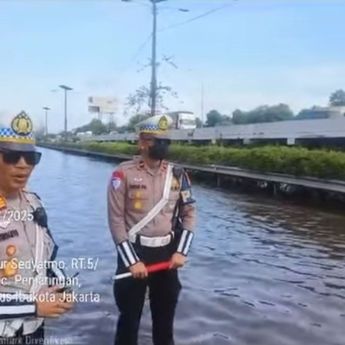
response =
{"points": [[129, 63], [141, 47], [195, 18], [141, 4]]}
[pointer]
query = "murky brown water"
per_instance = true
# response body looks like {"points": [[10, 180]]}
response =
{"points": [[262, 272]]}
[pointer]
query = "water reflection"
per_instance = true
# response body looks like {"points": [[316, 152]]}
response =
{"points": [[262, 271]]}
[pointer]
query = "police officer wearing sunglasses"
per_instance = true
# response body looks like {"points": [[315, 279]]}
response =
{"points": [[27, 249]]}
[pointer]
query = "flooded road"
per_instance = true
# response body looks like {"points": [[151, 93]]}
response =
{"points": [[261, 272]]}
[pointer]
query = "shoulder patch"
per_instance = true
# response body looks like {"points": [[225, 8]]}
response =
{"points": [[118, 174], [117, 178], [186, 190], [177, 171], [33, 199], [32, 193], [127, 164]]}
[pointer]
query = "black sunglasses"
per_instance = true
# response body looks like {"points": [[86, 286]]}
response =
{"points": [[13, 157]]}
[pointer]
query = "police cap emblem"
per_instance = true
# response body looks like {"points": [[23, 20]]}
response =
{"points": [[22, 124], [163, 123]]}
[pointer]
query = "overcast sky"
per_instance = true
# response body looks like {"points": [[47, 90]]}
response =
{"points": [[249, 53]]}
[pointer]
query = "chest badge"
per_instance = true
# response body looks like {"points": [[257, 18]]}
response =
{"points": [[11, 250], [10, 267], [137, 179], [138, 205]]}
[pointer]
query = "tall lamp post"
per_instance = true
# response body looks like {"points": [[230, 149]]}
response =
{"points": [[46, 109], [65, 88], [153, 91]]}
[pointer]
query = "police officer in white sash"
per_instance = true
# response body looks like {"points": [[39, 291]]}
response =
{"points": [[143, 199], [27, 249]]}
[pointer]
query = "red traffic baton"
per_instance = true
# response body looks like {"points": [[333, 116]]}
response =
{"points": [[161, 266]]}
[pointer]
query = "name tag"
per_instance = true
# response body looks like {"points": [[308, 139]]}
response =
{"points": [[137, 186], [7, 235]]}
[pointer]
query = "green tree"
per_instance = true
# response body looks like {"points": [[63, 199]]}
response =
{"points": [[214, 117], [264, 113], [337, 98], [239, 117], [96, 126], [198, 122], [135, 119], [137, 101], [312, 114], [112, 127], [122, 129], [226, 120]]}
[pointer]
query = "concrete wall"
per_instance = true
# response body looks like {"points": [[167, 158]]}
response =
{"points": [[287, 130]]}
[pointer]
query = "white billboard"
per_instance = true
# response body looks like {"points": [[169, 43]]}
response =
{"points": [[102, 105]]}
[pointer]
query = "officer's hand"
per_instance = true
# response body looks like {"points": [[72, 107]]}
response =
{"points": [[139, 270], [51, 303], [177, 260]]}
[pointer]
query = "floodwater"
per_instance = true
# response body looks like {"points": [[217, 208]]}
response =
{"points": [[261, 272]]}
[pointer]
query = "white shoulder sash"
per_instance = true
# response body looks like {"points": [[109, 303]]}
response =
{"points": [[156, 209]]}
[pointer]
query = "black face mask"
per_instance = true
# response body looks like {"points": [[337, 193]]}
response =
{"points": [[160, 149]]}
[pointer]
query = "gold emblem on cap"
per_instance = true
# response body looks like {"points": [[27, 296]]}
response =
{"points": [[22, 124], [163, 123]]}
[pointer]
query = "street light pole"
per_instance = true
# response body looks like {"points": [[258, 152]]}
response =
{"points": [[153, 88], [202, 103], [154, 60], [46, 116], [65, 88]]}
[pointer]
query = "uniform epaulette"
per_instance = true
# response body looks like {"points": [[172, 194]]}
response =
{"points": [[126, 164], [178, 170], [33, 199], [32, 193]]}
